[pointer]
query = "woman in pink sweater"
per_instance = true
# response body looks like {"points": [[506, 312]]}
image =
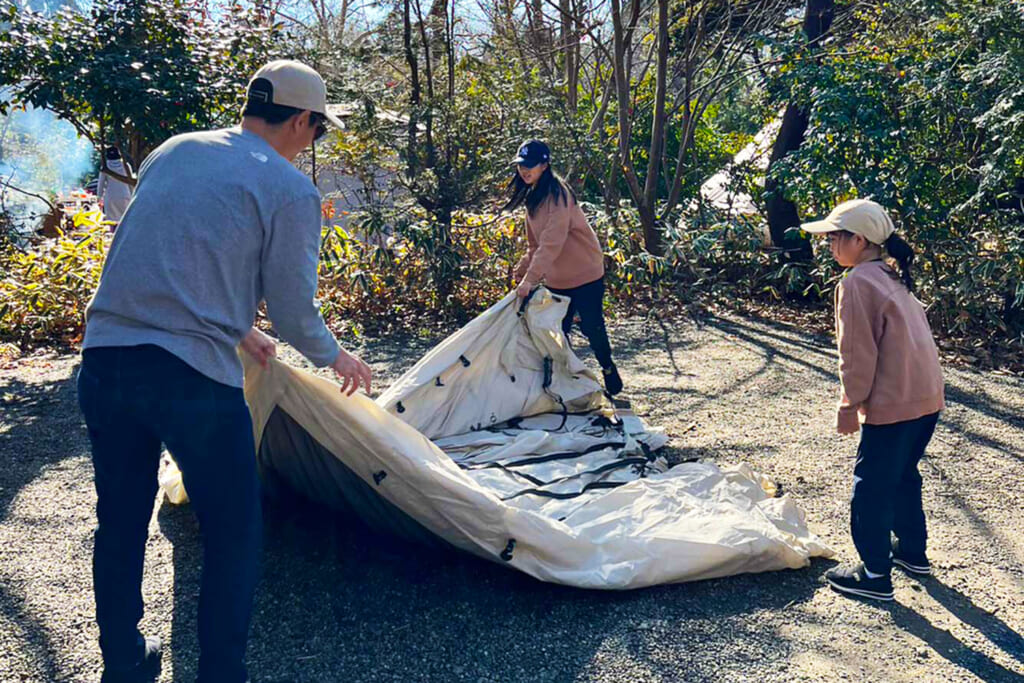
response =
{"points": [[563, 253], [891, 390]]}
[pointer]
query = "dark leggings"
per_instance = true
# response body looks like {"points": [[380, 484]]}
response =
{"points": [[587, 300]]}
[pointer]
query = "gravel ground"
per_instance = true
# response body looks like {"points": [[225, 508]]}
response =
{"points": [[339, 604]]}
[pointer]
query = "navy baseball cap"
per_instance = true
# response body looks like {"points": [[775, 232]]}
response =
{"points": [[531, 153]]}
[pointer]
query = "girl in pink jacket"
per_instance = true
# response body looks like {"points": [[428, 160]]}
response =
{"points": [[891, 390]]}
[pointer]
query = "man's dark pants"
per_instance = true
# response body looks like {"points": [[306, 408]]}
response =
{"points": [[588, 300], [134, 399], [887, 491]]}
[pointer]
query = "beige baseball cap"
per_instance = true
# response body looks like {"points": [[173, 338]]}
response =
{"points": [[292, 84], [859, 216]]}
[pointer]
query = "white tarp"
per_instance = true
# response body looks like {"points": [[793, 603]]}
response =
{"points": [[500, 442]]}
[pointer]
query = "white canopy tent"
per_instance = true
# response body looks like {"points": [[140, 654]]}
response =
{"points": [[500, 442]]}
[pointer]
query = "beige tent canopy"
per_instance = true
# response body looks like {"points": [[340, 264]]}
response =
{"points": [[500, 442]]}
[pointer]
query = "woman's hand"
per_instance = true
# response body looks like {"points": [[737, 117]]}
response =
{"points": [[259, 346]]}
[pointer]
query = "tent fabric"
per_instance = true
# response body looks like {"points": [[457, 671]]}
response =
{"points": [[500, 443]]}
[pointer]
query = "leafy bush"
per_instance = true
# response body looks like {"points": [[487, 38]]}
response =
{"points": [[707, 254], [379, 278], [45, 289], [375, 280], [923, 112]]}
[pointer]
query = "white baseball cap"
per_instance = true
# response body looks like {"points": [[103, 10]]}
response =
{"points": [[292, 84], [859, 216]]}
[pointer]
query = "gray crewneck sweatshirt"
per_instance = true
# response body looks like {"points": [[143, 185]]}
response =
{"points": [[219, 222]]}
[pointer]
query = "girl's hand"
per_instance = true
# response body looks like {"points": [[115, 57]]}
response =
{"points": [[847, 423]]}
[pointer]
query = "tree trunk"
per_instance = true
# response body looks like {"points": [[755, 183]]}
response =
{"points": [[645, 202], [538, 32], [652, 232], [412, 157], [568, 39], [782, 213], [428, 117]]}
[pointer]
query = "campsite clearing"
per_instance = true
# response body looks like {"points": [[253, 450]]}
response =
{"points": [[338, 604]]}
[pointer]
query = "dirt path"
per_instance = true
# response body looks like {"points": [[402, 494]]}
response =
{"points": [[337, 604]]}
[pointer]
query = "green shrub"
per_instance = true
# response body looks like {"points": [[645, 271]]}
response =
{"points": [[45, 289], [382, 280]]}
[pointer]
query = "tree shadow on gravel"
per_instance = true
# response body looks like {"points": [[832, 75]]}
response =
{"points": [[985, 405], [779, 342], [338, 602], [43, 427], [29, 633], [991, 626], [773, 345], [995, 536], [976, 397], [948, 646]]}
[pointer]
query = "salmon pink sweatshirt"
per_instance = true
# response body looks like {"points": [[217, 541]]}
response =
{"points": [[888, 363], [563, 251]]}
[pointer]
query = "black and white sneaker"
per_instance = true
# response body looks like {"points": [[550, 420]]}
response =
{"points": [[912, 563], [855, 581], [612, 381]]}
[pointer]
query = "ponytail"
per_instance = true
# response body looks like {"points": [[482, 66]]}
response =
{"points": [[904, 256]]}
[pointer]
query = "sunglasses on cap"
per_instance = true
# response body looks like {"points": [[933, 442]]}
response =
{"points": [[320, 122]]}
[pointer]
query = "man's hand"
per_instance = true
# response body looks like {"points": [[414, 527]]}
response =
{"points": [[523, 290], [352, 371], [259, 346]]}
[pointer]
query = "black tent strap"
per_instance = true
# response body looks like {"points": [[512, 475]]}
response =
{"points": [[498, 466], [598, 421], [537, 459], [465, 454], [636, 461], [467, 451], [567, 496], [604, 469], [639, 462]]}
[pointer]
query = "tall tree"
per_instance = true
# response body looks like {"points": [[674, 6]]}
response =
{"points": [[696, 50], [782, 212], [130, 73]]}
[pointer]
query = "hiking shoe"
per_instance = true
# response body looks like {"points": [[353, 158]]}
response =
{"points": [[612, 381], [855, 581], [912, 563], [147, 669]]}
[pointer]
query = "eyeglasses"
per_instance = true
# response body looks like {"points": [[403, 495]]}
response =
{"points": [[320, 122]]}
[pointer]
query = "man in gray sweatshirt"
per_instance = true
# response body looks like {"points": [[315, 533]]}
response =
{"points": [[220, 221]]}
